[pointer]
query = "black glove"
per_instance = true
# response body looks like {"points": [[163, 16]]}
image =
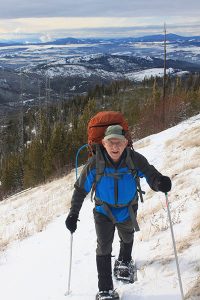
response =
{"points": [[71, 222], [164, 184]]}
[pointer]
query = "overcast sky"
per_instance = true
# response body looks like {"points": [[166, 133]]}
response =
{"points": [[47, 19]]}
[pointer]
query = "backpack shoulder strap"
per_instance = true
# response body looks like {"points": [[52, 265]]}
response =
{"points": [[131, 166], [100, 166], [100, 163], [129, 161]]}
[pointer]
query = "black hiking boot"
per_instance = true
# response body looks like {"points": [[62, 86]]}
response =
{"points": [[107, 295]]}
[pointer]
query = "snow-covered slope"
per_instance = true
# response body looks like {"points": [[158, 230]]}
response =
{"points": [[37, 267]]}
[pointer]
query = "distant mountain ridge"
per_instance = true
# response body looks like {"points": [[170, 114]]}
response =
{"points": [[170, 37], [70, 40]]}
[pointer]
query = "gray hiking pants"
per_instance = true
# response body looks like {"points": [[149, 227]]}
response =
{"points": [[105, 230]]}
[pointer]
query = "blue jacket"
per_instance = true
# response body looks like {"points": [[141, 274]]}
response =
{"points": [[117, 191]]}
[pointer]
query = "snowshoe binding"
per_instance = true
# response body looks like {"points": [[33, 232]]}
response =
{"points": [[107, 295], [125, 271]]}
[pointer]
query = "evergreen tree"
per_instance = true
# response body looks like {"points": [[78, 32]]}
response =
{"points": [[11, 137], [45, 131], [56, 154], [12, 174], [34, 164]]}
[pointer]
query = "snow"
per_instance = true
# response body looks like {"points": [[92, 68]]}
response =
{"points": [[140, 75], [42, 47], [36, 267], [71, 70], [84, 58], [67, 70], [77, 70]]}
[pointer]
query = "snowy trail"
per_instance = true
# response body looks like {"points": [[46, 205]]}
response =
{"points": [[37, 268]]}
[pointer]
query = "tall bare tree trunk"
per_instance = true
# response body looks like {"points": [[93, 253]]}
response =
{"points": [[164, 77]]}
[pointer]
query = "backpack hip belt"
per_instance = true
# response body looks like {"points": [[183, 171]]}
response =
{"points": [[107, 206]]}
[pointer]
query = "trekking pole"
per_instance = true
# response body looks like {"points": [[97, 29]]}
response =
{"points": [[71, 239], [70, 266], [174, 245]]}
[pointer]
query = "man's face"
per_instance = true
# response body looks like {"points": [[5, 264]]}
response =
{"points": [[115, 147]]}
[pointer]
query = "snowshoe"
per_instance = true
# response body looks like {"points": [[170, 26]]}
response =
{"points": [[116, 267], [124, 271], [107, 295]]}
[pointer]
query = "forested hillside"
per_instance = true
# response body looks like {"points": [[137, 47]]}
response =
{"points": [[39, 144]]}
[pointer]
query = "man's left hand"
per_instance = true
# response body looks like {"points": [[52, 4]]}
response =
{"points": [[164, 184]]}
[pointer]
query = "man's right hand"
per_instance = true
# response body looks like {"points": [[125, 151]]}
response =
{"points": [[71, 222]]}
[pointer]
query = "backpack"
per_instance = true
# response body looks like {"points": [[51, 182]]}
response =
{"points": [[99, 123], [96, 129]]}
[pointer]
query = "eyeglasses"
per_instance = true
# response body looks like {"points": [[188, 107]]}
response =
{"points": [[116, 144]]}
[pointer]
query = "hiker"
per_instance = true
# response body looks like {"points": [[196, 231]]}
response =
{"points": [[116, 204]]}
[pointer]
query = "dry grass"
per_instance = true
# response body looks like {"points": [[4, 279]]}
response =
{"points": [[194, 291], [169, 143], [196, 225], [31, 211], [141, 144], [166, 260], [161, 260], [23, 233], [186, 242], [187, 141], [4, 242], [182, 155], [147, 213], [183, 244]]}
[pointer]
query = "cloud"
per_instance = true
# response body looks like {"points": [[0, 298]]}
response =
{"points": [[97, 8], [49, 19], [53, 28], [46, 38]]}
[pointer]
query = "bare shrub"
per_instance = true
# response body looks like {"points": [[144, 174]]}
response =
{"points": [[23, 233], [40, 224], [148, 213], [4, 242]]}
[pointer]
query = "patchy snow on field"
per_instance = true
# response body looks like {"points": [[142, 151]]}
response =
{"points": [[37, 267], [140, 75]]}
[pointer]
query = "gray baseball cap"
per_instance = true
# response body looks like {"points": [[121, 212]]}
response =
{"points": [[114, 132]]}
